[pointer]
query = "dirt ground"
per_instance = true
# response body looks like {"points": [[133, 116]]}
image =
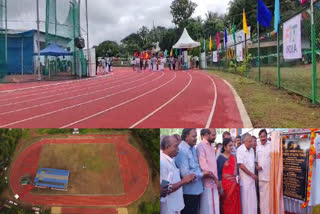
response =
{"points": [[94, 168]]}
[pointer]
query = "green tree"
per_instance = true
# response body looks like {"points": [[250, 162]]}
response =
{"points": [[181, 11], [108, 48]]}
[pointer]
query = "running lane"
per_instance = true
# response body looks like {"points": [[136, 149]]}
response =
{"points": [[126, 99], [130, 162]]}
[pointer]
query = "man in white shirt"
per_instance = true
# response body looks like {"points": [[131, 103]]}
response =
{"points": [[245, 160], [173, 203], [263, 162]]}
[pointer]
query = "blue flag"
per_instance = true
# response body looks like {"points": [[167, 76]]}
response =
{"points": [[225, 37], [276, 15], [264, 16]]}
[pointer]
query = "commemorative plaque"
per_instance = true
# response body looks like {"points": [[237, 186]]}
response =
{"points": [[295, 167]]}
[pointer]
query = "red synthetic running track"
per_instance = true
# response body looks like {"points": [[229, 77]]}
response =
{"points": [[125, 99], [134, 172]]}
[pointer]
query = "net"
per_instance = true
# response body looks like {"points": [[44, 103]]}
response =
{"points": [[3, 20], [64, 32]]}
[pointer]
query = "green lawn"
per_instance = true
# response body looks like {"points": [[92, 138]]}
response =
{"points": [[268, 106], [94, 168], [297, 78]]}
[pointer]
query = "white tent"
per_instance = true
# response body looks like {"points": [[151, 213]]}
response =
{"points": [[185, 41]]}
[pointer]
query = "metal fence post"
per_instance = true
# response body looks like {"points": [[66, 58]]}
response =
{"points": [[314, 60], [278, 59], [259, 69]]}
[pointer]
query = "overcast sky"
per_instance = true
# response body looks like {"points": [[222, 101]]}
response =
{"points": [[108, 19]]}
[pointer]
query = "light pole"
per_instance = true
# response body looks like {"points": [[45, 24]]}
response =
{"points": [[89, 55], [38, 28]]}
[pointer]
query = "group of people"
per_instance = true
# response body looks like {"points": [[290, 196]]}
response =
{"points": [[157, 62], [154, 63], [105, 65], [202, 178]]}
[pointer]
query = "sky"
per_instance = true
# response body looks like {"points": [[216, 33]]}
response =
{"points": [[108, 20]]}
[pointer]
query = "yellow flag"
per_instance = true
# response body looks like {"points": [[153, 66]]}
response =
{"points": [[245, 27], [210, 44], [171, 52]]}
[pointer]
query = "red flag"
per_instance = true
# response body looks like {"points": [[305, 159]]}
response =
{"points": [[303, 1], [218, 40]]}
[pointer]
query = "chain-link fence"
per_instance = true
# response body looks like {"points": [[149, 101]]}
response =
{"points": [[300, 75], [59, 23]]}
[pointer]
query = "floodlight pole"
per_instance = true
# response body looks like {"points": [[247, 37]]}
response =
{"points": [[38, 33], [89, 55]]}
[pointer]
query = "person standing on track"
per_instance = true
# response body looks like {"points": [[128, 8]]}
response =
{"points": [[163, 61], [154, 63], [137, 64], [173, 63], [133, 63]]}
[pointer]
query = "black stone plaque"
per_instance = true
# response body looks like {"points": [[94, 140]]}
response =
{"points": [[295, 169]]}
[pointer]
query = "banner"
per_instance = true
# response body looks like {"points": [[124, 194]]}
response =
{"points": [[240, 52], [292, 38], [240, 37], [215, 56]]}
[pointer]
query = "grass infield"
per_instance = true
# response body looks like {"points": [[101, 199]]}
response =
{"points": [[94, 168]]}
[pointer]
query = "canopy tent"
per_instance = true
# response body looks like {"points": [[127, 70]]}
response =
{"points": [[186, 42], [54, 50]]}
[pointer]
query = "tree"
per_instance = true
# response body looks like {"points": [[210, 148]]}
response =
{"points": [[213, 23], [181, 11], [107, 48]]}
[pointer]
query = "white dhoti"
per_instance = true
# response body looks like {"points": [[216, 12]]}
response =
{"points": [[164, 209], [264, 191], [209, 201], [154, 67], [249, 198]]}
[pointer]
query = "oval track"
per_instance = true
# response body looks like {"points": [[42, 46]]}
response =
{"points": [[134, 186]]}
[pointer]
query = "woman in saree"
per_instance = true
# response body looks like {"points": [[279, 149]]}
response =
{"points": [[227, 173]]}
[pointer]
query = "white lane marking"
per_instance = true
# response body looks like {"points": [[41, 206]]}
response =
{"points": [[48, 85], [77, 105], [161, 107], [69, 98], [121, 104], [54, 84], [77, 90], [214, 102], [246, 121], [65, 88]]}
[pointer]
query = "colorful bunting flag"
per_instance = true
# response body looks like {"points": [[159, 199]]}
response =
{"points": [[245, 26]]}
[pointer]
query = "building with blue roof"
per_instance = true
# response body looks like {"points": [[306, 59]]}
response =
{"points": [[52, 178]]}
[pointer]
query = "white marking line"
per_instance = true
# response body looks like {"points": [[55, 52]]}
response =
{"points": [[77, 90], [48, 85], [161, 107], [77, 105], [214, 102], [65, 88], [121, 104], [242, 109], [64, 82], [69, 98]]}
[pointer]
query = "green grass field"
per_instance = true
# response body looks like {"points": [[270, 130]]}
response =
{"points": [[297, 78], [268, 106], [94, 168]]}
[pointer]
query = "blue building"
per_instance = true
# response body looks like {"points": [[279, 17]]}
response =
{"points": [[52, 178]]}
